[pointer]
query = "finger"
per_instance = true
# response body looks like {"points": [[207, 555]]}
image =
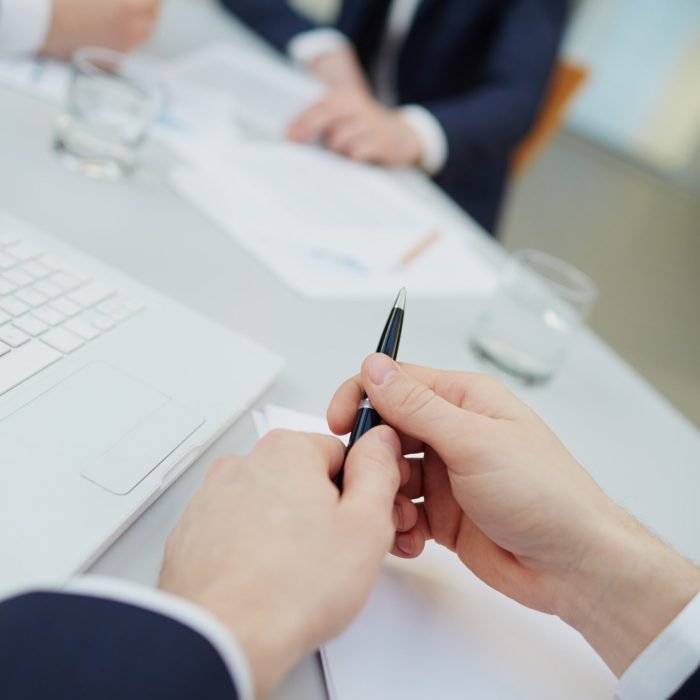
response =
{"points": [[413, 486], [411, 544], [305, 450], [342, 413], [366, 151], [405, 514], [321, 116], [371, 483], [415, 408], [346, 135]]}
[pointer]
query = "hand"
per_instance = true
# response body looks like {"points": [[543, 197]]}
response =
{"points": [[114, 24], [271, 549], [502, 492], [340, 69], [355, 125]]}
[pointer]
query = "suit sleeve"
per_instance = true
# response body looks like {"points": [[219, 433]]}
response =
{"points": [[64, 645], [274, 20], [668, 667], [489, 121]]}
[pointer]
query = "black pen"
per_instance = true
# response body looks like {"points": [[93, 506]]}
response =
{"points": [[367, 417]]}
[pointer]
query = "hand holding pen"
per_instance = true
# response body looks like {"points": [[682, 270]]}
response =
{"points": [[367, 417]]}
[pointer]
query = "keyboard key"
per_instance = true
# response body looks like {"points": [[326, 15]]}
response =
{"points": [[4, 318], [14, 337], [65, 306], [114, 309], [6, 262], [35, 270], [62, 340], [22, 251], [25, 362], [18, 277], [7, 239], [134, 306], [82, 328], [31, 297], [6, 287], [90, 294], [48, 315], [30, 325], [65, 281], [50, 289], [51, 262], [104, 323], [4, 349], [13, 306]]}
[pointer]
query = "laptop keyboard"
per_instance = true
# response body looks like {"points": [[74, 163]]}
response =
{"points": [[49, 309]]}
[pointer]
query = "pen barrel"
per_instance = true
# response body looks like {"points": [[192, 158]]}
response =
{"points": [[367, 418]]}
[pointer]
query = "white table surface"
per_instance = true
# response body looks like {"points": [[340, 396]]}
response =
{"points": [[635, 444]]}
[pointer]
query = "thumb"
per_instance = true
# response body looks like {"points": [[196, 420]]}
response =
{"points": [[371, 482], [412, 407]]}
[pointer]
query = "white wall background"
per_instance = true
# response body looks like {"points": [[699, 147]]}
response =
{"points": [[644, 95]]}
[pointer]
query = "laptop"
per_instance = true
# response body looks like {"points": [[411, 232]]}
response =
{"points": [[108, 392]]}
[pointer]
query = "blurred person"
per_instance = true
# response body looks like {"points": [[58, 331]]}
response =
{"points": [[57, 28], [269, 560], [452, 86]]}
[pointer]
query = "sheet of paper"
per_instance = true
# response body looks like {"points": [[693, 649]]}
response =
{"points": [[330, 228], [269, 93], [272, 416], [431, 629]]}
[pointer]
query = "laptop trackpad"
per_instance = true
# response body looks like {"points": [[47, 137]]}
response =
{"points": [[112, 427]]}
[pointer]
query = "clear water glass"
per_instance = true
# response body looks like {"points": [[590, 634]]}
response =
{"points": [[112, 101], [529, 324]]}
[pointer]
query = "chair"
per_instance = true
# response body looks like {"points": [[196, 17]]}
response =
{"points": [[567, 80]]}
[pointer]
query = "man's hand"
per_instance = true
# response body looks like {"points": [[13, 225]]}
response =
{"points": [[270, 547], [502, 492], [354, 124], [340, 70], [114, 24]]}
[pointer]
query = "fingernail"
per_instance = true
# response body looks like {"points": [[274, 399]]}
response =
{"points": [[389, 438], [404, 543], [398, 516], [381, 369]]}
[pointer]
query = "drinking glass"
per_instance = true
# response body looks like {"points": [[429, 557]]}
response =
{"points": [[529, 324], [112, 101]]}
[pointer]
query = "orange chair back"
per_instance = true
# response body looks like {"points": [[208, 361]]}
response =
{"points": [[567, 80]]}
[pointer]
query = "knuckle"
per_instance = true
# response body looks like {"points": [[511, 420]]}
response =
{"points": [[415, 401]]}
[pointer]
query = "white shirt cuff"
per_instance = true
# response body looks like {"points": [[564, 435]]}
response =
{"points": [[24, 25], [432, 137], [663, 667], [175, 608], [306, 47]]}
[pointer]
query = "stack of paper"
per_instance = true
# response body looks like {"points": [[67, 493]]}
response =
{"points": [[269, 93], [333, 229], [431, 629]]}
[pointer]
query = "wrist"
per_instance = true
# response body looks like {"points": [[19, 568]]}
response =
{"points": [[271, 637], [626, 591]]}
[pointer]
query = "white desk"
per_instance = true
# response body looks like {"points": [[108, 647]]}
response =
{"points": [[642, 451]]}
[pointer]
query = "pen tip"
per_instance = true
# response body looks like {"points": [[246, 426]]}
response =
{"points": [[400, 302]]}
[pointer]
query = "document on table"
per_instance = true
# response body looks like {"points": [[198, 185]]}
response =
{"points": [[331, 228], [431, 629], [269, 92]]}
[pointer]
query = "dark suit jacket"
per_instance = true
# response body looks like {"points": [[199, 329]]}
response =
{"points": [[480, 67], [690, 690], [69, 647]]}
